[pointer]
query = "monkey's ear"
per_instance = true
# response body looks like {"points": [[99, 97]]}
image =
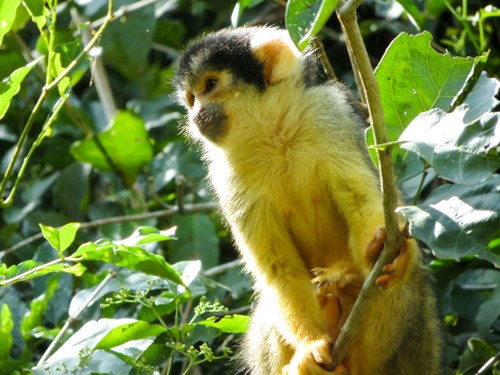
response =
{"points": [[278, 54]]}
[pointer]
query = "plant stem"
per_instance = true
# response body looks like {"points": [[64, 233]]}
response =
{"points": [[359, 55]]}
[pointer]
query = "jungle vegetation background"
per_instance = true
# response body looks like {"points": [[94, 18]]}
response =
{"points": [[95, 173]]}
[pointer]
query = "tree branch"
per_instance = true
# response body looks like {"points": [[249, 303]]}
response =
{"points": [[359, 58], [188, 208]]}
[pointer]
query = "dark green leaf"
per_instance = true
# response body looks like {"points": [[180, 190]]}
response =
{"points": [[305, 18], [461, 152], [457, 221], [196, 239]]}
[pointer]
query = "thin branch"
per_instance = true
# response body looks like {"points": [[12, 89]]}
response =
{"points": [[358, 53], [188, 208], [124, 10], [99, 76]]}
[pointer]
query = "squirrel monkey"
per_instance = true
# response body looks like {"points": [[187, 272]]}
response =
{"points": [[287, 160]]}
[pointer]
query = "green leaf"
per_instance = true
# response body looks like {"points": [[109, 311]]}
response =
{"points": [[488, 313], [62, 238], [9, 87], [6, 327], [132, 257], [143, 235], [8, 10], [128, 332], [413, 11], [228, 324], [414, 78], [126, 143], [458, 221], [477, 353], [305, 18], [196, 239], [462, 152], [26, 271], [38, 308]]}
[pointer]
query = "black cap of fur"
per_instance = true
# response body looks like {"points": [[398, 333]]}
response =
{"points": [[225, 49], [230, 49]]}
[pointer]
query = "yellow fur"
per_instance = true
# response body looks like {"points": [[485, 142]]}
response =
{"points": [[300, 194]]}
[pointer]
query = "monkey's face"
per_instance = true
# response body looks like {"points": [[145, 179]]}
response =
{"points": [[224, 78], [205, 102]]}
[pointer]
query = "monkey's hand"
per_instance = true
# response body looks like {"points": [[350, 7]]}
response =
{"points": [[310, 359], [396, 271]]}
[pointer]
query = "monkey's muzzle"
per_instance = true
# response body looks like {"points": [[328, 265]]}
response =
{"points": [[212, 121]]}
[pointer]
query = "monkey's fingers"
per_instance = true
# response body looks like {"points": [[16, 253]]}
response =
{"points": [[395, 272], [376, 245]]}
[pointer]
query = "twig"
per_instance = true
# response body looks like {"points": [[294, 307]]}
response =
{"points": [[358, 53], [223, 267], [124, 10], [188, 208], [72, 319], [488, 364], [99, 76]]}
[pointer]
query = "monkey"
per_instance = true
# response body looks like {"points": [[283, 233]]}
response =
{"points": [[287, 161]]}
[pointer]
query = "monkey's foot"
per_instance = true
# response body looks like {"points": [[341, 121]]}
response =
{"points": [[394, 272], [333, 279], [312, 359]]}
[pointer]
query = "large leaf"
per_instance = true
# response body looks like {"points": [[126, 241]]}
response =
{"points": [[459, 151], [305, 18], [197, 239], [414, 78], [128, 332], [457, 221], [7, 15], [126, 143]]}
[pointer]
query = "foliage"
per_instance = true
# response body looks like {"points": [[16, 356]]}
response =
{"points": [[92, 158]]}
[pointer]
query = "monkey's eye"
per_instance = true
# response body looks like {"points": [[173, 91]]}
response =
{"points": [[190, 98], [210, 85]]}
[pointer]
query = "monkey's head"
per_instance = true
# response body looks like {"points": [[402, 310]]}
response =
{"points": [[226, 77]]}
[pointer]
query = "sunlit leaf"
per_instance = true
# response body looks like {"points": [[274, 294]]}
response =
{"points": [[61, 238], [132, 257], [143, 235], [126, 145], [7, 15], [6, 327], [305, 18], [414, 78], [229, 323], [10, 86], [30, 269], [128, 332]]}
